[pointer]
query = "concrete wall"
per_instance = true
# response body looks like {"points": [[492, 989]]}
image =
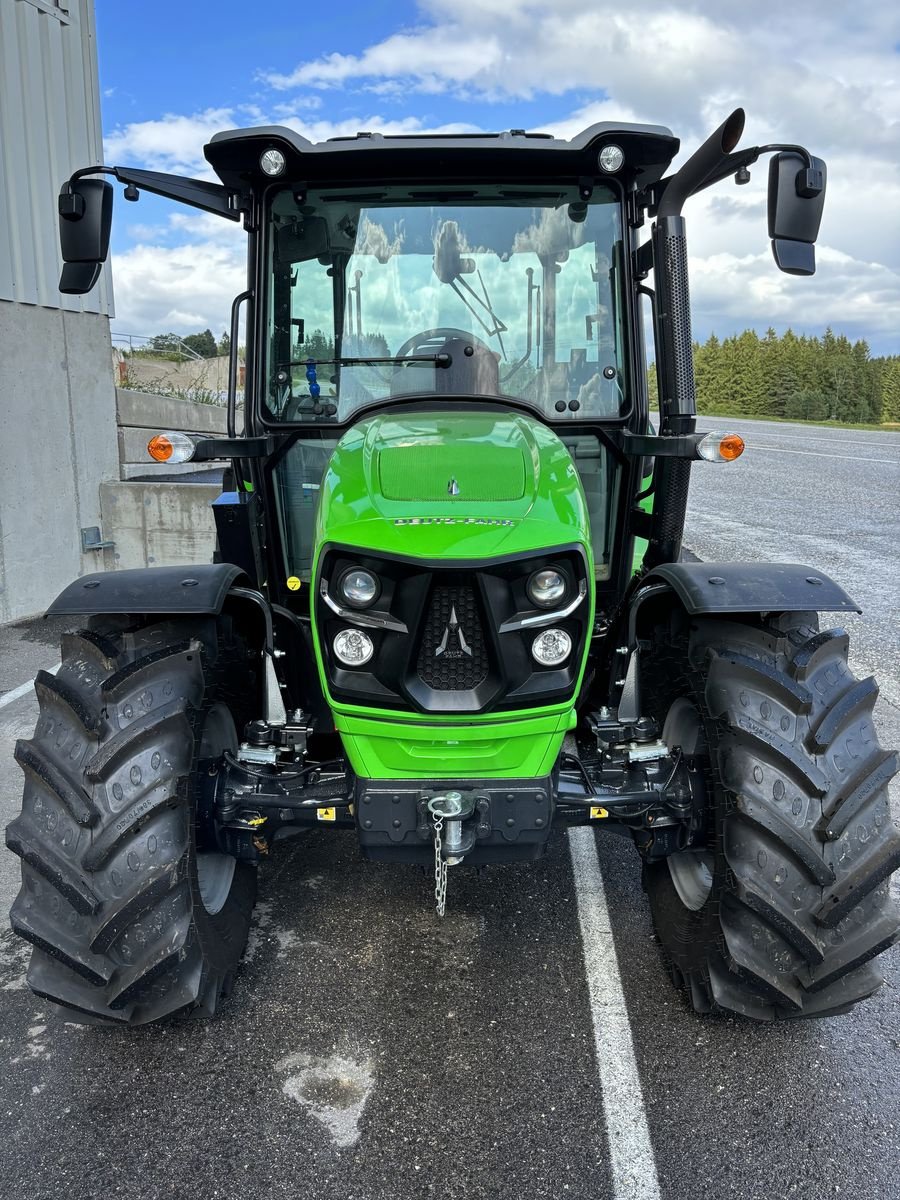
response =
{"points": [[158, 374], [58, 430], [153, 519], [157, 525], [57, 401]]}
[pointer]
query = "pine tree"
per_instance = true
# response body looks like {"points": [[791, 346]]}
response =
{"points": [[890, 389], [708, 372], [798, 378], [752, 398]]}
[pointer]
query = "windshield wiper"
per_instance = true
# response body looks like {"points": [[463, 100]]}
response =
{"points": [[499, 328]]}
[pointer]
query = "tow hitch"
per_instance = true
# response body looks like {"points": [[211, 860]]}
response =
{"points": [[451, 840]]}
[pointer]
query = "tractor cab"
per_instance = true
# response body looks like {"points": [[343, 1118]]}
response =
{"points": [[482, 274]]}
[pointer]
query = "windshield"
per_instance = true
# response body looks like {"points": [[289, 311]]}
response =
{"points": [[483, 294]]}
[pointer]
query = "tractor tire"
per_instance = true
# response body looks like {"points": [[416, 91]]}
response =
{"points": [[786, 903], [133, 913]]}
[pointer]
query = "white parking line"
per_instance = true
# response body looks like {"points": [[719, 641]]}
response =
{"points": [[630, 1149], [822, 441], [894, 462], [23, 689]]}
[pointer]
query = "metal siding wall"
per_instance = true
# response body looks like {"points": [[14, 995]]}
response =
{"points": [[49, 126]]}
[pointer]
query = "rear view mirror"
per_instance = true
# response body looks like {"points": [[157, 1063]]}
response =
{"points": [[85, 219], [303, 241], [796, 198]]}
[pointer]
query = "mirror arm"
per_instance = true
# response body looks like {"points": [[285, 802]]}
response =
{"points": [[210, 197], [734, 162]]}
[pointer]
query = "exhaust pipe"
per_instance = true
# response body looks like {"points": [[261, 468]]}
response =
{"points": [[701, 164], [678, 403]]}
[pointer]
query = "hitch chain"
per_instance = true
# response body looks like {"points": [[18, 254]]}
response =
{"points": [[440, 868], [450, 808]]}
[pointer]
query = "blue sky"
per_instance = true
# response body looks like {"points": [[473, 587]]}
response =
{"points": [[172, 74]]}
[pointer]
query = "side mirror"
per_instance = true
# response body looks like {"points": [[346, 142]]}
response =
{"points": [[796, 199], [85, 220]]}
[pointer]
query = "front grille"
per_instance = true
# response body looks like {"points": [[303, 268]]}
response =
{"points": [[453, 655]]}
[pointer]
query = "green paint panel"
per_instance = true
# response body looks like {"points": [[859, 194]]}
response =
{"points": [[385, 490], [524, 748], [438, 472], [550, 511]]}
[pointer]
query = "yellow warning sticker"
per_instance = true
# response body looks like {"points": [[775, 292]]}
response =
{"points": [[326, 814], [293, 583], [598, 813]]}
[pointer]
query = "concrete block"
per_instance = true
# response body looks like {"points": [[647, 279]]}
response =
{"points": [[159, 525], [146, 471], [144, 410], [57, 408]]}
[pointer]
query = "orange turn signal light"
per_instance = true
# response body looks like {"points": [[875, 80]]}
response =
{"points": [[160, 448], [721, 447], [731, 446], [171, 448]]}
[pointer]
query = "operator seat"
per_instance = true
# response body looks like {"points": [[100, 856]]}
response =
{"points": [[474, 370]]}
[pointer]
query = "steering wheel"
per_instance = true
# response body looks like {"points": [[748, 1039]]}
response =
{"points": [[432, 341]]}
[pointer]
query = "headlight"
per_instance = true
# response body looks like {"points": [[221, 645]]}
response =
{"points": [[358, 587], [353, 647], [611, 158], [272, 161], [546, 588], [551, 647]]}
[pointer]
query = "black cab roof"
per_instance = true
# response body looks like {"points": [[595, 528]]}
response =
{"points": [[370, 157]]}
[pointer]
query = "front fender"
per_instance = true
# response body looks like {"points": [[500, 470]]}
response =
{"points": [[709, 587], [194, 589]]}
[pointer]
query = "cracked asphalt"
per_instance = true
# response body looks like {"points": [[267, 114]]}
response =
{"points": [[369, 1051]]}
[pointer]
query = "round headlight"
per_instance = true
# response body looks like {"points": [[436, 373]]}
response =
{"points": [[353, 647], [551, 647], [272, 162], [611, 158], [358, 587], [546, 588]]}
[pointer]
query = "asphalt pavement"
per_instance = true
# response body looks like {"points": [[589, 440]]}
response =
{"points": [[371, 1051]]}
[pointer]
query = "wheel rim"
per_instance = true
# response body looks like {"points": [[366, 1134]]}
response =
{"points": [[215, 870], [691, 871]]}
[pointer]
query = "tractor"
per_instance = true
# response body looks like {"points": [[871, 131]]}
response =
{"points": [[448, 609]]}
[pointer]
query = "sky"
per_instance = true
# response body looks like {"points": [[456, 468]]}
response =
{"points": [[826, 75]]}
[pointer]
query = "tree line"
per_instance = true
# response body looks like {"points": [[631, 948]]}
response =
{"points": [[172, 345], [794, 377]]}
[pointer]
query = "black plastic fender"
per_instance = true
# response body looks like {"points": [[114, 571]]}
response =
{"points": [[194, 589], [709, 587]]}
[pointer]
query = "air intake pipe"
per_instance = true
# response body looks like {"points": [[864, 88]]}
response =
{"points": [[674, 345]]}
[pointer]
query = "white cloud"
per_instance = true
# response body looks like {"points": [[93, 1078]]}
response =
{"points": [[858, 298], [182, 289], [665, 62], [175, 142], [812, 73]]}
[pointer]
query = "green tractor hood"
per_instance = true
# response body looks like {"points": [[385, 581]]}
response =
{"points": [[452, 485]]}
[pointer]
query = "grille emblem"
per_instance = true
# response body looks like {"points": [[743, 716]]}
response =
{"points": [[452, 488], [452, 630]]}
